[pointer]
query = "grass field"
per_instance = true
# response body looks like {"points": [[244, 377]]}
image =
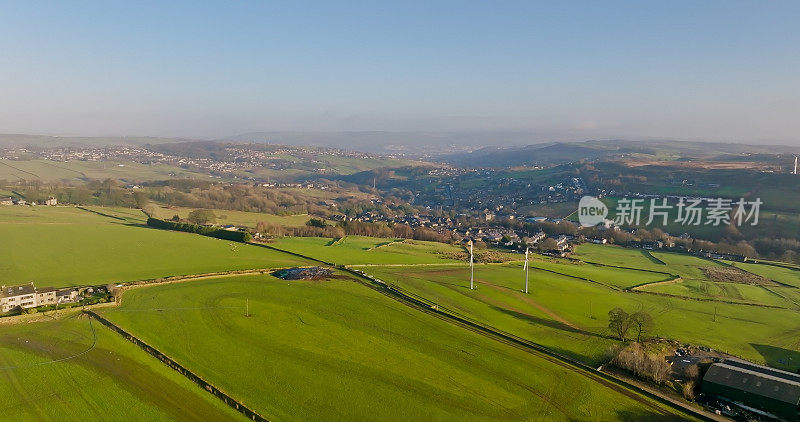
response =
{"points": [[238, 218], [369, 250], [736, 292], [112, 380], [686, 266], [569, 315], [63, 246], [48, 170], [779, 274], [337, 350], [618, 277], [617, 255]]}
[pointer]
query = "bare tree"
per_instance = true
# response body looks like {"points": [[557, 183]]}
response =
{"points": [[642, 322], [619, 322]]}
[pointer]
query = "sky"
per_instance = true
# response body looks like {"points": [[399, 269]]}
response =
{"points": [[699, 70]]}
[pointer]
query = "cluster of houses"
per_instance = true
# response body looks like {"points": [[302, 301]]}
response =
{"points": [[9, 200], [25, 296]]}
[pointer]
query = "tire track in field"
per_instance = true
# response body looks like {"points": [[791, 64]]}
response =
{"points": [[537, 305], [50, 362]]}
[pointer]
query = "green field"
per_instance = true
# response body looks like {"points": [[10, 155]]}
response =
{"points": [[569, 315], [779, 274], [735, 292], [337, 350], [238, 218], [617, 255], [686, 266], [64, 246], [48, 170], [618, 277], [369, 250], [52, 371]]}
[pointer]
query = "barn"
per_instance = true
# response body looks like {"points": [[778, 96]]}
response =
{"points": [[761, 387]]}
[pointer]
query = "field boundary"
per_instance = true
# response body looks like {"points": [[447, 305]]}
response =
{"points": [[227, 399], [577, 277], [100, 213], [674, 278], [652, 257]]}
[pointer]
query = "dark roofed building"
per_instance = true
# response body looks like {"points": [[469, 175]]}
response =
{"points": [[761, 387], [23, 296]]}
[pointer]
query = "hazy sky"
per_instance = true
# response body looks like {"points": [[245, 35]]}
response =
{"points": [[711, 70]]}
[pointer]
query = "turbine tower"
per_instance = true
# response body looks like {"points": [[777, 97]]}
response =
{"points": [[795, 165], [526, 270], [471, 268]]}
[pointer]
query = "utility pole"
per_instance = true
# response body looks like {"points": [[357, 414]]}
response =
{"points": [[247, 307]]}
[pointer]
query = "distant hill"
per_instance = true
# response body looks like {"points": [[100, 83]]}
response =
{"points": [[384, 142], [565, 152], [526, 156]]}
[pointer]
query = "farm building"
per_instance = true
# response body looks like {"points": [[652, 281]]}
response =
{"points": [[760, 387]]}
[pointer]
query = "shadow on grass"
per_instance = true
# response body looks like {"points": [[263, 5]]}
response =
{"points": [[779, 357], [645, 415], [652, 259], [549, 323]]}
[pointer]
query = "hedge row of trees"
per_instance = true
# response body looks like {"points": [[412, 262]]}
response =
{"points": [[636, 359], [317, 227], [237, 236]]}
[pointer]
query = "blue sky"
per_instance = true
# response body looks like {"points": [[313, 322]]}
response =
{"points": [[711, 70]]}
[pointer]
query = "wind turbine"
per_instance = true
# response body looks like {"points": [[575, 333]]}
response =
{"points": [[526, 270], [471, 268], [795, 165]]}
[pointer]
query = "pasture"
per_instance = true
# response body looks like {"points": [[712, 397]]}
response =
{"points": [[337, 350], [570, 315], [237, 218], [55, 370], [65, 246], [352, 250], [780, 274], [49, 170], [694, 280]]}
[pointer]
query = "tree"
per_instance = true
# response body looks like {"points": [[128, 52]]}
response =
{"points": [[316, 222], [547, 244], [202, 216], [642, 322], [141, 199], [619, 322]]}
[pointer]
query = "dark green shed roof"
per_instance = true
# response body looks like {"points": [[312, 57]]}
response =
{"points": [[760, 382]]}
